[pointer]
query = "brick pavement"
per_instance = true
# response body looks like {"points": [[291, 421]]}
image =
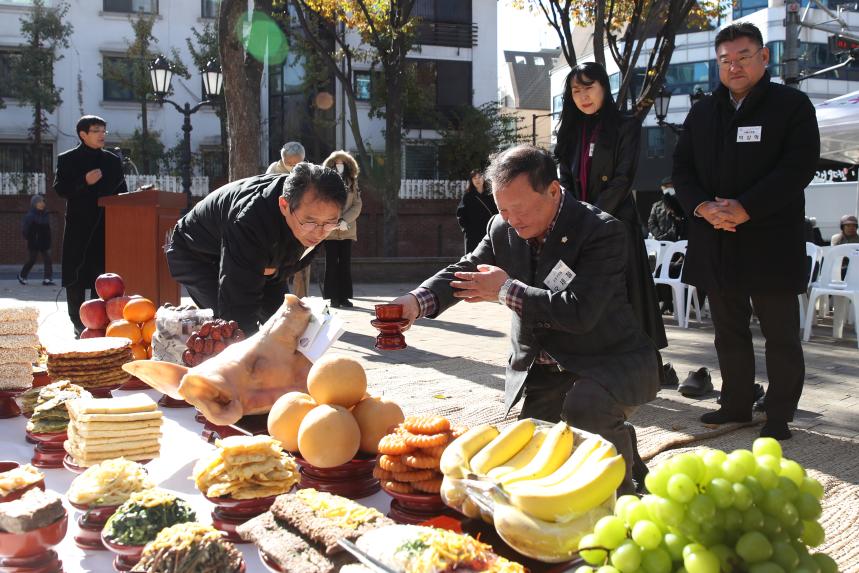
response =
{"points": [[478, 333]]}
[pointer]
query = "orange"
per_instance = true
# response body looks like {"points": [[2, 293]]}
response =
{"points": [[139, 310], [148, 329], [139, 351], [149, 352], [123, 328]]}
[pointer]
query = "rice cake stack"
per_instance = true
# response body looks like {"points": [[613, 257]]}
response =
{"points": [[18, 343], [105, 428], [92, 362]]}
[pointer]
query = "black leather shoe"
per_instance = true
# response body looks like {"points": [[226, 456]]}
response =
{"points": [[776, 429], [721, 416], [669, 375], [334, 303], [48, 282], [757, 399], [698, 383], [346, 303], [21, 279]]}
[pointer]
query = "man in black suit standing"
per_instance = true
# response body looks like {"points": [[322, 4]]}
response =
{"points": [[578, 353], [84, 175], [741, 166]]}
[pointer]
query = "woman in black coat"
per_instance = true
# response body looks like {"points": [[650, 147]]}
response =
{"points": [[597, 152], [475, 209], [36, 228]]}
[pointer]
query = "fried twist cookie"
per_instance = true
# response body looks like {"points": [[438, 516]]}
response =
{"points": [[397, 487], [414, 475], [428, 486], [392, 464], [426, 425], [382, 475], [421, 461], [394, 445], [426, 440]]}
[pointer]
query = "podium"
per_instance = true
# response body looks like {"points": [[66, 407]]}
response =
{"points": [[136, 228]]}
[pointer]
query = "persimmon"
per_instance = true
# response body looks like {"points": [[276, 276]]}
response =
{"points": [[148, 329], [138, 351], [139, 310], [123, 328]]}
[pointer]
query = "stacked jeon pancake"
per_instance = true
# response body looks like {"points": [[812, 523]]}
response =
{"points": [[90, 363]]}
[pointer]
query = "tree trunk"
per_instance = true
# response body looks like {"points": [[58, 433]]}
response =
{"points": [[242, 77], [393, 165], [144, 134]]}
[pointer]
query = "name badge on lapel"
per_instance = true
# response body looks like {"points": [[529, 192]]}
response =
{"points": [[560, 277], [749, 134], [591, 150]]}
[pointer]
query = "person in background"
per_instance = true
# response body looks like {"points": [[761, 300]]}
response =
{"points": [[741, 165], [475, 209], [848, 231], [291, 154], [235, 249], [667, 221], [36, 228], [812, 232], [337, 285], [84, 175], [597, 153]]}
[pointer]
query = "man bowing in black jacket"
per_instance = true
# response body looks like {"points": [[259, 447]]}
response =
{"points": [[237, 247], [84, 175], [741, 165]]}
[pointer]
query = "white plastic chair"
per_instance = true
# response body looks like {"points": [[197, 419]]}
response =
{"points": [[678, 287], [813, 254], [849, 289], [654, 247], [692, 302]]}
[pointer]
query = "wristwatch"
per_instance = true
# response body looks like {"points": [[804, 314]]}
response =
{"points": [[502, 292]]}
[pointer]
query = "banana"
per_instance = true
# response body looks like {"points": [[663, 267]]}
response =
{"points": [[505, 445], [521, 459], [586, 489], [455, 458], [582, 455], [554, 451], [545, 540], [452, 492]]}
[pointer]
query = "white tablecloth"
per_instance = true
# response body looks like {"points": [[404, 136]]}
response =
{"points": [[181, 446]]}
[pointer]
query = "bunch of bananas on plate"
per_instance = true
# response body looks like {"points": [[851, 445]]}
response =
{"points": [[543, 487]]}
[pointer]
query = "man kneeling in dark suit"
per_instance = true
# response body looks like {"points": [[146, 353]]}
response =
{"points": [[578, 352]]}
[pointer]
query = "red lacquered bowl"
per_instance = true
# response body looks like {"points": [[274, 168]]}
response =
{"points": [[270, 563], [390, 342], [353, 479], [8, 407], [389, 326], [103, 391], [127, 556], [33, 543], [415, 508], [41, 377], [229, 513], [135, 383], [13, 495], [389, 311], [90, 523], [52, 438], [362, 464]]}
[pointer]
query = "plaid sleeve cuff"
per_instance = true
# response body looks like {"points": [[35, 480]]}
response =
{"points": [[515, 297], [427, 301]]}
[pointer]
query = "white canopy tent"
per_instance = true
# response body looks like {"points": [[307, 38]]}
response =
{"points": [[838, 120]]}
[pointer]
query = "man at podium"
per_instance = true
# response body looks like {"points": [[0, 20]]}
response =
{"points": [[84, 175], [235, 250]]}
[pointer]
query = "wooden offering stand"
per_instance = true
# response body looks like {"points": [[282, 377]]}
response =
{"points": [[416, 508], [91, 521], [8, 407], [104, 391], [354, 479], [127, 556], [49, 452], [31, 552], [229, 513], [390, 324]]}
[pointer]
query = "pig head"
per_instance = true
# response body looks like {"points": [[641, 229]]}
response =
{"points": [[247, 377]]}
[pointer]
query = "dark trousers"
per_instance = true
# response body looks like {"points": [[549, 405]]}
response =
{"points": [[46, 258], [779, 318], [338, 270], [75, 297], [553, 395]]}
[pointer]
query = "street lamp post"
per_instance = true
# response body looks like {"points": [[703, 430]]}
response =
{"points": [[161, 75], [661, 103], [534, 117]]}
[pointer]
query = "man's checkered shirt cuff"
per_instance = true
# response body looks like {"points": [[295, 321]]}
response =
{"points": [[515, 297], [427, 301]]}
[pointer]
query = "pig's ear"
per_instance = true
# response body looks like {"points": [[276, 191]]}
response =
{"points": [[163, 376]]}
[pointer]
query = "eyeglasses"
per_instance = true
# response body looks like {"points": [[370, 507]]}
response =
{"points": [[741, 62], [310, 227], [98, 130]]}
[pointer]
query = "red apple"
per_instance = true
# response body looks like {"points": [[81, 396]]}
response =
{"points": [[115, 306], [94, 314], [92, 333], [109, 285]]}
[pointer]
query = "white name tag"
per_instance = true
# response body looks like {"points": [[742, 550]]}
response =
{"points": [[560, 277], [748, 134], [591, 150]]}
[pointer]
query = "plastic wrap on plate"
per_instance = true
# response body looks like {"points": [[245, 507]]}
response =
{"points": [[173, 326], [552, 541]]}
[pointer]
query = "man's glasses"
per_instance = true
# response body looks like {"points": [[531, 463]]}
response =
{"points": [[741, 62], [310, 227], [98, 130]]}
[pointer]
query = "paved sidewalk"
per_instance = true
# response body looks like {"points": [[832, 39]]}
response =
{"points": [[478, 334]]}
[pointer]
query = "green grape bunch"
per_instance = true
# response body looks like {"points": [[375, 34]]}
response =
{"points": [[714, 512]]}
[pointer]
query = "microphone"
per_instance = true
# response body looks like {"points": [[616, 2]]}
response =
{"points": [[118, 152]]}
